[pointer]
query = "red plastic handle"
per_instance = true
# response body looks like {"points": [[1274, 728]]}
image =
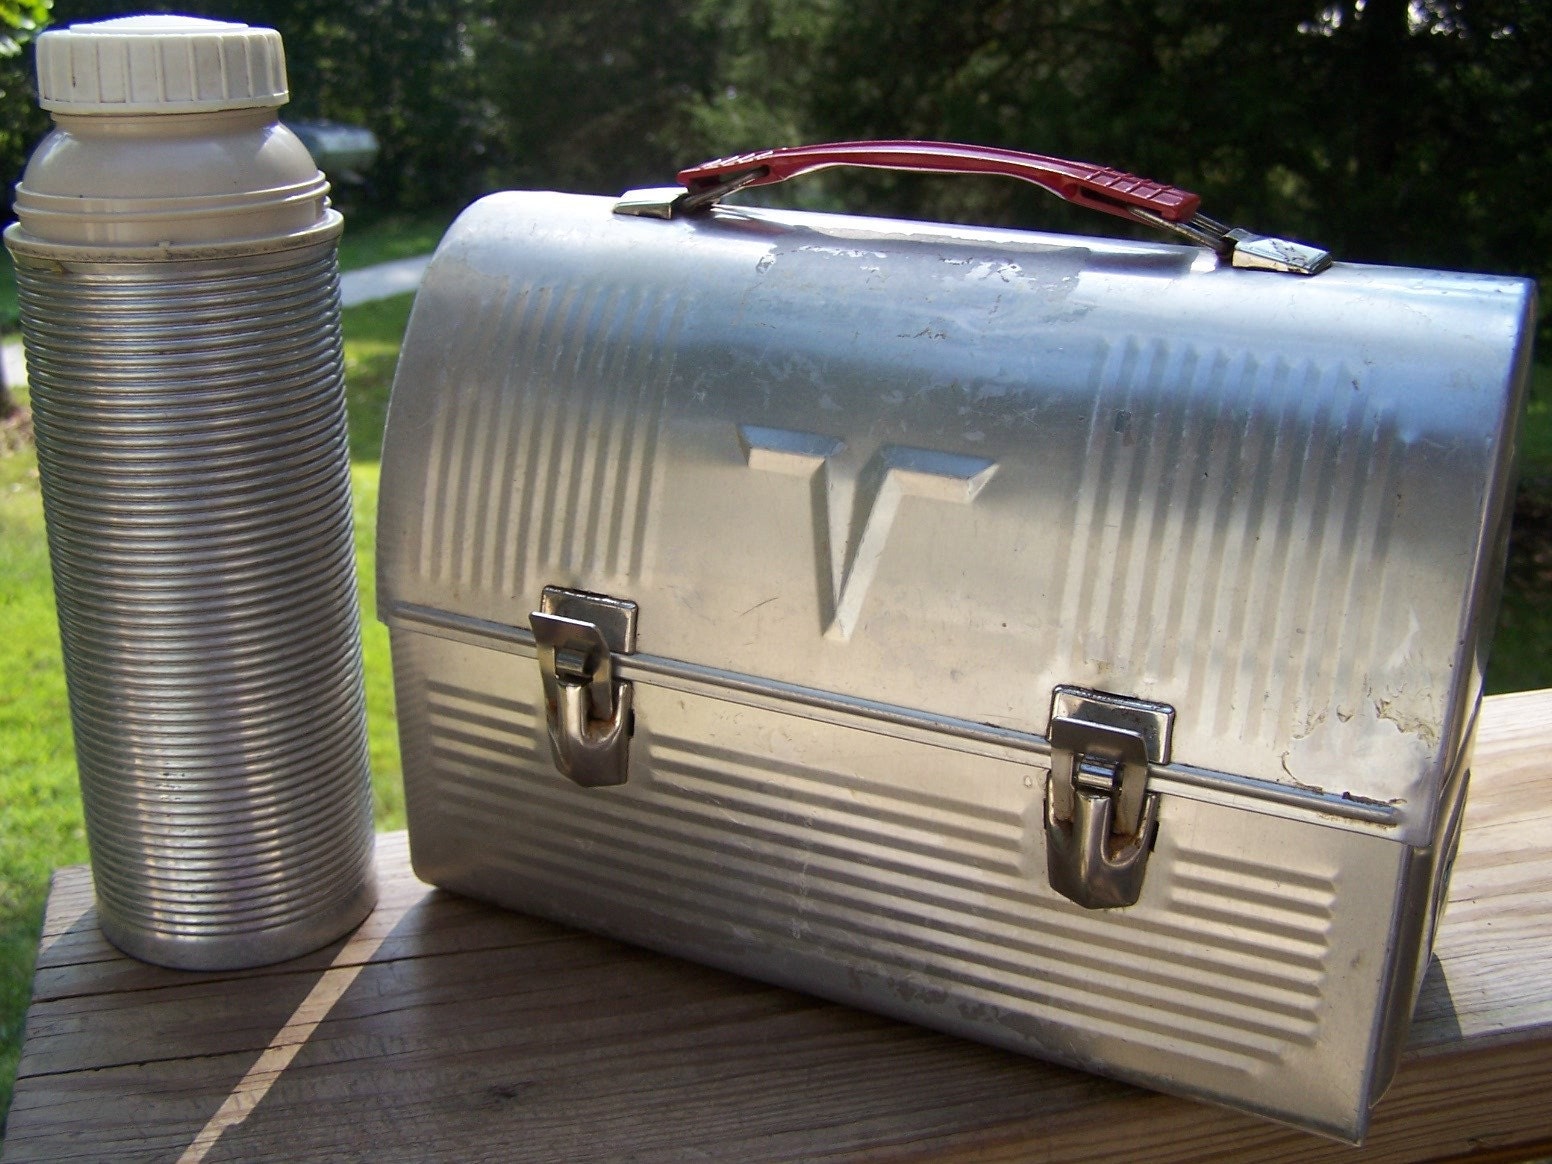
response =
{"points": [[1096, 187]]}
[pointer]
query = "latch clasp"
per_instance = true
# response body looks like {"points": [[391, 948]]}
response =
{"points": [[589, 711], [1100, 818]]}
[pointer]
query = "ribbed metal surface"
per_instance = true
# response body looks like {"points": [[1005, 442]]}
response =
{"points": [[575, 435], [939, 472], [1285, 525], [929, 887], [868, 455], [911, 880], [192, 447]]}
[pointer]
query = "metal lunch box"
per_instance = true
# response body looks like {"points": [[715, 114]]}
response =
{"points": [[1067, 643]]}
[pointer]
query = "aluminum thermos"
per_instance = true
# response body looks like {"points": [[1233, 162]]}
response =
{"points": [[179, 291]]}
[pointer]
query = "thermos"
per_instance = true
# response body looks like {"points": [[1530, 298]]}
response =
{"points": [[179, 291]]}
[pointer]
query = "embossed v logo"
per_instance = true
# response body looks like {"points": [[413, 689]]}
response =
{"points": [[848, 548]]}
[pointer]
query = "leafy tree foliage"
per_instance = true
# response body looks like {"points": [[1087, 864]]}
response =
{"points": [[768, 54], [21, 121], [1393, 130], [400, 67], [593, 95]]}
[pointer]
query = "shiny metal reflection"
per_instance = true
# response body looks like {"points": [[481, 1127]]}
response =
{"points": [[192, 448]]}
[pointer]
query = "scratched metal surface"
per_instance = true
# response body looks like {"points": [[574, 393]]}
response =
{"points": [[937, 472], [1260, 968], [950, 469]]}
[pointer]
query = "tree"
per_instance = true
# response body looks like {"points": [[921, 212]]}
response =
{"points": [[766, 54], [594, 95], [20, 119], [1388, 130], [403, 68], [1392, 130]]}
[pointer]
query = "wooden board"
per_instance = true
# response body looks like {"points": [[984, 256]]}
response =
{"points": [[448, 1030]]}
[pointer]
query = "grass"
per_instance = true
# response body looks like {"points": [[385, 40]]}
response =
{"points": [[37, 768], [372, 334], [42, 826], [397, 236], [1536, 436]]}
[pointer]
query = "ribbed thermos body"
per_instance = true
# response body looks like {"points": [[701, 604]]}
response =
{"points": [[188, 401]]}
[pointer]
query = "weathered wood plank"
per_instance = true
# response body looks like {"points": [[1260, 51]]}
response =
{"points": [[1493, 952], [463, 1033], [70, 940]]}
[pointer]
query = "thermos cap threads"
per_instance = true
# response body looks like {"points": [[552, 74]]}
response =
{"points": [[160, 64]]}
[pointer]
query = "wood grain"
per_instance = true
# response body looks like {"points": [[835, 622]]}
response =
{"points": [[473, 1034]]}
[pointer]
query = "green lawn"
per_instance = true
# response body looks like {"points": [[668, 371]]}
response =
{"points": [[42, 805], [1536, 438], [7, 297], [396, 236]]}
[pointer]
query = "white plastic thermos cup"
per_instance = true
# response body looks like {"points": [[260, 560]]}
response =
{"points": [[178, 281]]}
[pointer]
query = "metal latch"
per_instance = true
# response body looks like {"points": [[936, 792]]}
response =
{"points": [[1100, 818], [588, 709]]}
